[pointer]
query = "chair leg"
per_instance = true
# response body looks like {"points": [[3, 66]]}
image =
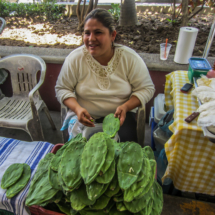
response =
{"points": [[35, 130], [49, 117]]}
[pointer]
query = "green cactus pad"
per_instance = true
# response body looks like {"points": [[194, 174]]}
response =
{"points": [[12, 175], [93, 157], [151, 179], [43, 166], [82, 192], [53, 179], [57, 158], [129, 165], [137, 205], [76, 202], [138, 188], [118, 198], [111, 125], [144, 211], [101, 203], [70, 163], [64, 207], [107, 176], [114, 183], [40, 191], [93, 190], [114, 211], [21, 183], [107, 209], [148, 152], [157, 198], [110, 192], [109, 156], [120, 206]]}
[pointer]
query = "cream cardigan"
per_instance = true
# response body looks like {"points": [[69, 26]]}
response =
{"points": [[101, 89]]}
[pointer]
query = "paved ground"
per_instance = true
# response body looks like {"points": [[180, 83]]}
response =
{"points": [[50, 135]]}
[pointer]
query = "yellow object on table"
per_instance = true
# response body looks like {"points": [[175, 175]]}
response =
{"points": [[191, 156]]}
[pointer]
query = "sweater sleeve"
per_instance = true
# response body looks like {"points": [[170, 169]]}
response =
{"points": [[140, 80], [66, 82]]}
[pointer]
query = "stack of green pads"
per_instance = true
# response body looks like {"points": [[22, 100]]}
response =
{"points": [[15, 178], [98, 177]]}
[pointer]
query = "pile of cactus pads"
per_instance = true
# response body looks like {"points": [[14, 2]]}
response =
{"points": [[98, 176]]}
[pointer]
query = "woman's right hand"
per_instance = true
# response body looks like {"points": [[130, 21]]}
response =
{"points": [[84, 117]]}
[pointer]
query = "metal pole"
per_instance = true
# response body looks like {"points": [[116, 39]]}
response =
{"points": [[210, 40]]}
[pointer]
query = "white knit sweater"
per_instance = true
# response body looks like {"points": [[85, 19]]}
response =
{"points": [[101, 89]]}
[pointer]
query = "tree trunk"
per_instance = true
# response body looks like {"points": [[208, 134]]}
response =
{"points": [[184, 13], [128, 13]]}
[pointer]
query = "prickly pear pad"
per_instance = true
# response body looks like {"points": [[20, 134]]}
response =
{"points": [[137, 205], [129, 165], [70, 163], [109, 156], [108, 176], [157, 198], [138, 188], [53, 179], [93, 190], [101, 203], [40, 191], [111, 125], [148, 152], [93, 157], [12, 175], [21, 183]]}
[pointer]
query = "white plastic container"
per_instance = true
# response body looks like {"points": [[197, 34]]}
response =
{"points": [[159, 107], [89, 131]]}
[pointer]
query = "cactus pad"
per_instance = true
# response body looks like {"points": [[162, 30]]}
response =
{"points": [[12, 175], [53, 179], [93, 157], [101, 203], [21, 183], [108, 176], [70, 163], [94, 189], [40, 191], [109, 156], [129, 165], [111, 125], [136, 205], [148, 152]]}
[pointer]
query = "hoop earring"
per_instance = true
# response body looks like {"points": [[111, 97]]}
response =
{"points": [[113, 44]]}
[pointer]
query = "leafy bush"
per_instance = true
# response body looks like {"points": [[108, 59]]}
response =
{"points": [[48, 10], [115, 11]]}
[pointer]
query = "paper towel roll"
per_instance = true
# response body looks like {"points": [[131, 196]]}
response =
{"points": [[185, 45]]}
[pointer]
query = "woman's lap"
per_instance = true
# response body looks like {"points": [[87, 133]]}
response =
{"points": [[128, 131]]}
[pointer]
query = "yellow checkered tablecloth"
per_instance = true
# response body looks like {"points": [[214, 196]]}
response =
{"points": [[191, 156]]}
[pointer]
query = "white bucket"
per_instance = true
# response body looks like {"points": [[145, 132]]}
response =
{"points": [[89, 131]]}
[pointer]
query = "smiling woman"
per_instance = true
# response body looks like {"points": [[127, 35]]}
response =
{"points": [[102, 77]]}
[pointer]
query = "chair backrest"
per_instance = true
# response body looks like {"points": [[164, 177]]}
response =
{"points": [[23, 69]]}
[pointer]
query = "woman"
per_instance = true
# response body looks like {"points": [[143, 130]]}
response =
{"points": [[106, 77]]}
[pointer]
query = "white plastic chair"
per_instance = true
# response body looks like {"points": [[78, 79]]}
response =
{"points": [[141, 119], [21, 110]]}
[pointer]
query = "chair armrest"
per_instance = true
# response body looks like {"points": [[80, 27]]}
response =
{"points": [[141, 119]]}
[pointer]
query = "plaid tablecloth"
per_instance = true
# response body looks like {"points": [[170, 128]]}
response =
{"points": [[191, 156], [16, 151]]}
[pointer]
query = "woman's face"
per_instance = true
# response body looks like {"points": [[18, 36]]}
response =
{"points": [[97, 38]]}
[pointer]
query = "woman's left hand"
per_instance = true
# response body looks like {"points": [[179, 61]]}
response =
{"points": [[121, 113]]}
